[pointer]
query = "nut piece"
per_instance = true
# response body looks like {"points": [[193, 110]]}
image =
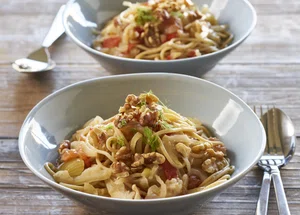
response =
{"points": [[201, 147], [119, 167], [148, 158], [138, 160], [210, 166], [148, 119], [154, 157], [151, 35], [183, 149], [66, 144], [132, 100], [219, 154], [124, 154]]}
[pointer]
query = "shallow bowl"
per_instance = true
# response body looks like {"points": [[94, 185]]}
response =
{"points": [[82, 16], [60, 114]]}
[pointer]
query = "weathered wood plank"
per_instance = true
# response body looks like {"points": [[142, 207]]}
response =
{"points": [[272, 41], [255, 84], [28, 7]]}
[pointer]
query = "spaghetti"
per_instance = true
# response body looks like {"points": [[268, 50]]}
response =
{"points": [[145, 151], [162, 30]]}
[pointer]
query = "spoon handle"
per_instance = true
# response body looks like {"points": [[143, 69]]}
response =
{"points": [[56, 30], [282, 204], [262, 203]]}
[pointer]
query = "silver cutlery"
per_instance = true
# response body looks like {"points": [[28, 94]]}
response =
{"points": [[40, 60], [281, 143]]}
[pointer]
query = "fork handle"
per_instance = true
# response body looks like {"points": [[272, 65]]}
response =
{"points": [[262, 203], [282, 204], [56, 29]]}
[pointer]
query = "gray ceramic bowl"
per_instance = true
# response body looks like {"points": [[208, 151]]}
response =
{"points": [[81, 16], [57, 116]]}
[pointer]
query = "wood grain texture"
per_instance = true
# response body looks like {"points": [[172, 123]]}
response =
{"points": [[276, 38], [255, 84], [23, 193], [263, 70]]}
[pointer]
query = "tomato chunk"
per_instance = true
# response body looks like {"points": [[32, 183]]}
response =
{"points": [[69, 155], [169, 170], [171, 36], [111, 42]]}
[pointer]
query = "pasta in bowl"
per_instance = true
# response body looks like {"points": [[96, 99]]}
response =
{"points": [[145, 151], [61, 116], [158, 36], [162, 30]]}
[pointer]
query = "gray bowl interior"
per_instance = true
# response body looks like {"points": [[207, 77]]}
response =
{"points": [[60, 114], [82, 16]]}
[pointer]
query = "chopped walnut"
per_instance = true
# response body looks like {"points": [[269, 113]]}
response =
{"points": [[221, 148], [183, 149], [218, 154], [148, 158], [124, 154], [154, 158], [132, 100], [151, 35], [149, 118], [201, 147], [119, 167], [138, 160], [174, 187], [210, 166], [65, 145]]}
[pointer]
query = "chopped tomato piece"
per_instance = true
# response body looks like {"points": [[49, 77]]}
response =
{"points": [[169, 57], [87, 160], [191, 53], [171, 36], [169, 170], [130, 46], [69, 155], [111, 42]]}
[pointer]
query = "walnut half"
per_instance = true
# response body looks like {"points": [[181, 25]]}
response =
{"points": [[148, 158], [151, 35]]}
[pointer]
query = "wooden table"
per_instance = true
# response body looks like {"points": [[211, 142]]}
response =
{"points": [[263, 70]]}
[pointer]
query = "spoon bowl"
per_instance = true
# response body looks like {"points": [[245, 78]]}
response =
{"points": [[287, 136], [40, 60], [37, 61]]}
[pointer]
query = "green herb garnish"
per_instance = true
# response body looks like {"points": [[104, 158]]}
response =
{"points": [[123, 122], [144, 16], [150, 138], [110, 126], [121, 141], [176, 14]]}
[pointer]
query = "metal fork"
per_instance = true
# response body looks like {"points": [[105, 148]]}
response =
{"points": [[272, 159]]}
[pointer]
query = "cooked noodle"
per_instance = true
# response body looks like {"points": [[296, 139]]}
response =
{"points": [[162, 30], [145, 151]]}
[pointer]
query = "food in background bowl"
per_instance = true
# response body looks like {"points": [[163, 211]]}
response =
{"points": [[162, 30], [145, 151]]}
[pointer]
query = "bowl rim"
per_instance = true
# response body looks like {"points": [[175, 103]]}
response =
{"points": [[233, 180], [112, 57]]}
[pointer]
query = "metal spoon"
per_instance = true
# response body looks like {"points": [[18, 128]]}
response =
{"points": [[281, 132], [288, 142], [40, 60]]}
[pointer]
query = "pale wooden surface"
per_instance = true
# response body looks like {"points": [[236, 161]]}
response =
{"points": [[263, 70]]}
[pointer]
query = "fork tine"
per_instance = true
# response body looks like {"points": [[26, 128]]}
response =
{"points": [[263, 120], [270, 132], [277, 141]]}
